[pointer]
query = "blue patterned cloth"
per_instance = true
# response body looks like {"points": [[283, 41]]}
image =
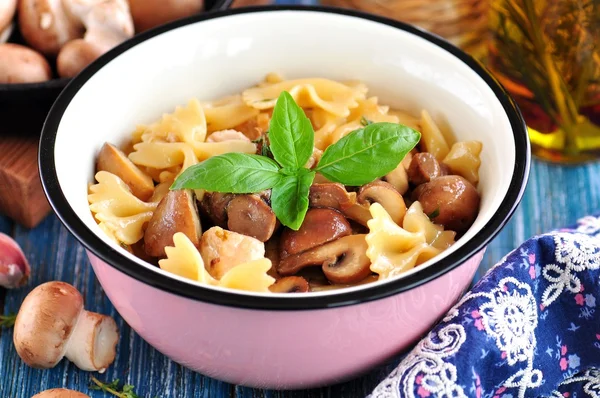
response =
{"points": [[529, 328]]}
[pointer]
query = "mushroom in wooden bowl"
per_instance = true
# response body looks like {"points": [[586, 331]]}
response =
{"points": [[45, 43]]}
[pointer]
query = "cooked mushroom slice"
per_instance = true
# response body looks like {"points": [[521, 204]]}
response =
{"points": [[250, 215], [332, 195], [114, 161], [290, 284], [320, 226], [222, 250], [53, 323], [359, 213], [176, 212], [384, 194], [351, 264], [214, 206], [451, 201], [424, 167], [60, 393], [343, 261]]}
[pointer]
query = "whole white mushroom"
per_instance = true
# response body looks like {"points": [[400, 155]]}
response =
{"points": [[52, 324]]}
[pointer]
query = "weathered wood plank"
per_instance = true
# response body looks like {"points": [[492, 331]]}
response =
{"points": [[556, 196]]}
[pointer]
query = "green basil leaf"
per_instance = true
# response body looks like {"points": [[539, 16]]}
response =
{"points": [[232, 173], [367, 153], [289, 198], [291, 135]]}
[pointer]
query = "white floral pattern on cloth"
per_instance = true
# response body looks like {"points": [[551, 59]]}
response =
{"points": [[528, 328], [585, 384], [574, 253]]}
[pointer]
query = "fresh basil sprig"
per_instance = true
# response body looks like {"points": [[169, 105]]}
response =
{"points": [[356, 159]]}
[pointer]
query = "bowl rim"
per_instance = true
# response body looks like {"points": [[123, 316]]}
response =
{"points": [[231, 298]]}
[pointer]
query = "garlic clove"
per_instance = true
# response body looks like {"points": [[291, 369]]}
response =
{"points": [[14, 268]]}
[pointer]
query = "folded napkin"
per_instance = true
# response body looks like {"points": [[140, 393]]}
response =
{"points": [[528, 328]]}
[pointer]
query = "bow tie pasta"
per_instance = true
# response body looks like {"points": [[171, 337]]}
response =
{"points": [[184, 259], [350, 236]]}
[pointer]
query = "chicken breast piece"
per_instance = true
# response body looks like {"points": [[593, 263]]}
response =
{"points": [[222, 250]]}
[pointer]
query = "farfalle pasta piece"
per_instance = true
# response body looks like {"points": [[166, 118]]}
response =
{"points": [[324, 124], [227, 112], [332, 96], [370, 109], [112, 196], [333, 128], [119, 212], [432, 139], [185, 124], [394, 250], [163, 155], [463, 159], [127, 230], [416, 221], [184, 259], [251, 276], [406, 119]]}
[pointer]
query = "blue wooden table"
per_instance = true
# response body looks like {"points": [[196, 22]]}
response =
{"points": [[556, 196]]}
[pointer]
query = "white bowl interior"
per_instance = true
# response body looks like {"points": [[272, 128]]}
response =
{"points": [[225, 55]]}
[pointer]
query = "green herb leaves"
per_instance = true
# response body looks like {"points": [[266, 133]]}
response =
{"points": [[358, 158], [289, 198], [8, 321], [367, 153], [290, 133], [113, 388], [232, 172]]}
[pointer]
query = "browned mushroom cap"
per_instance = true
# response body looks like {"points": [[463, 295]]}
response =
{"points": [[176, 212], [290, 284], [384, 194], [332, 195], [343, 261], [250, 215], [451, 201], [60, 393], [113, 160], [214, 206], [424, 167], [320, 226]]}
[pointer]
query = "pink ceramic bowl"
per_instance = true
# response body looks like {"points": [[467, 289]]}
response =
{"points": [[280, 341]]}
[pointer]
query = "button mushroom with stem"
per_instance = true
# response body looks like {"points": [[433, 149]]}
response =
{"points": [[251, 216], [53, 323], [60, 393], [343, 260], [176, 212], [320, 226], [76, 31], [14, 267]]}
